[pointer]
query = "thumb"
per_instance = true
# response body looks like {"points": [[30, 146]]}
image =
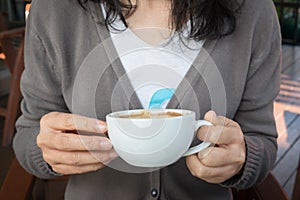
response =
{"points": [[211, 116]]}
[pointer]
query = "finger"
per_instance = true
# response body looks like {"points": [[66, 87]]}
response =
{"points": [[212, 117], [65, 121], [220, 134], [71, 169], [217, 156], [55, 157], [73, 142], [209, 174]]}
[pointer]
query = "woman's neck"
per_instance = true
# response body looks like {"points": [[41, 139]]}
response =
{"points": [[151, 20]]}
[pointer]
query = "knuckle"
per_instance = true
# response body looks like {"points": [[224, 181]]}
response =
{"points": [[193, 173], [241, 157], [79, 170], [90, 144], [86, 142], [202, 133], [44, 120], [206, 161], [200, 172], [69, 122], [222, 120], [240, 137], [40, 141], [95, 167], [58, 169], [47, 158], [85, 124], [74, 159], [63, 142], [49, 116], [235, 124], [191, 167], [214, 135], [43, 139]]}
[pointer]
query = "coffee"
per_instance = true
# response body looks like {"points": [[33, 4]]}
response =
{"points": [[146, 114]]}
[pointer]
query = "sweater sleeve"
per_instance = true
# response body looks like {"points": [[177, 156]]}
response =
{"points": [[41, 90], [255, 114]]}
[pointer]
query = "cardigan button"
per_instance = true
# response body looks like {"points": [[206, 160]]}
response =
{"points": [[154, 193]]}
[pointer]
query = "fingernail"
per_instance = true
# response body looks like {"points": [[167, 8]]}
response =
{"points": [[100, 128], [105, 144], [213, 113]]}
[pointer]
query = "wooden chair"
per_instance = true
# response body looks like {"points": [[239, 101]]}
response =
{"points": [[269, 189], [14, 59], [18, 183]]}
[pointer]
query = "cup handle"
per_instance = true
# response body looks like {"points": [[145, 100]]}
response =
{"points": [[201, 146]]}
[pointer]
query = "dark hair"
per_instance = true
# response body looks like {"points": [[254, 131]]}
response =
{"points": [[210, 19]]}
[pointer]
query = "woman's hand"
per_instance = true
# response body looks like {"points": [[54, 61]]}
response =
{"points": [[224, 160], [70, 153]]}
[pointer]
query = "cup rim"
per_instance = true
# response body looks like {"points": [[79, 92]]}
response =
{"points": [[115, 115]]}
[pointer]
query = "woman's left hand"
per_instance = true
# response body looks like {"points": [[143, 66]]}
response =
{"points": [[218, 163]]}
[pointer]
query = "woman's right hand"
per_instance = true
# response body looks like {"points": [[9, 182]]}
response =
{"points": [[68, 152]]}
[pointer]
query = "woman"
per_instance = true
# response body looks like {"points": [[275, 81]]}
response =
{"points": [[232, 47]]}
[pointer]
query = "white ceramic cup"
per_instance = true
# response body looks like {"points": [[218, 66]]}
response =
{"points": [[154, 142]]}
